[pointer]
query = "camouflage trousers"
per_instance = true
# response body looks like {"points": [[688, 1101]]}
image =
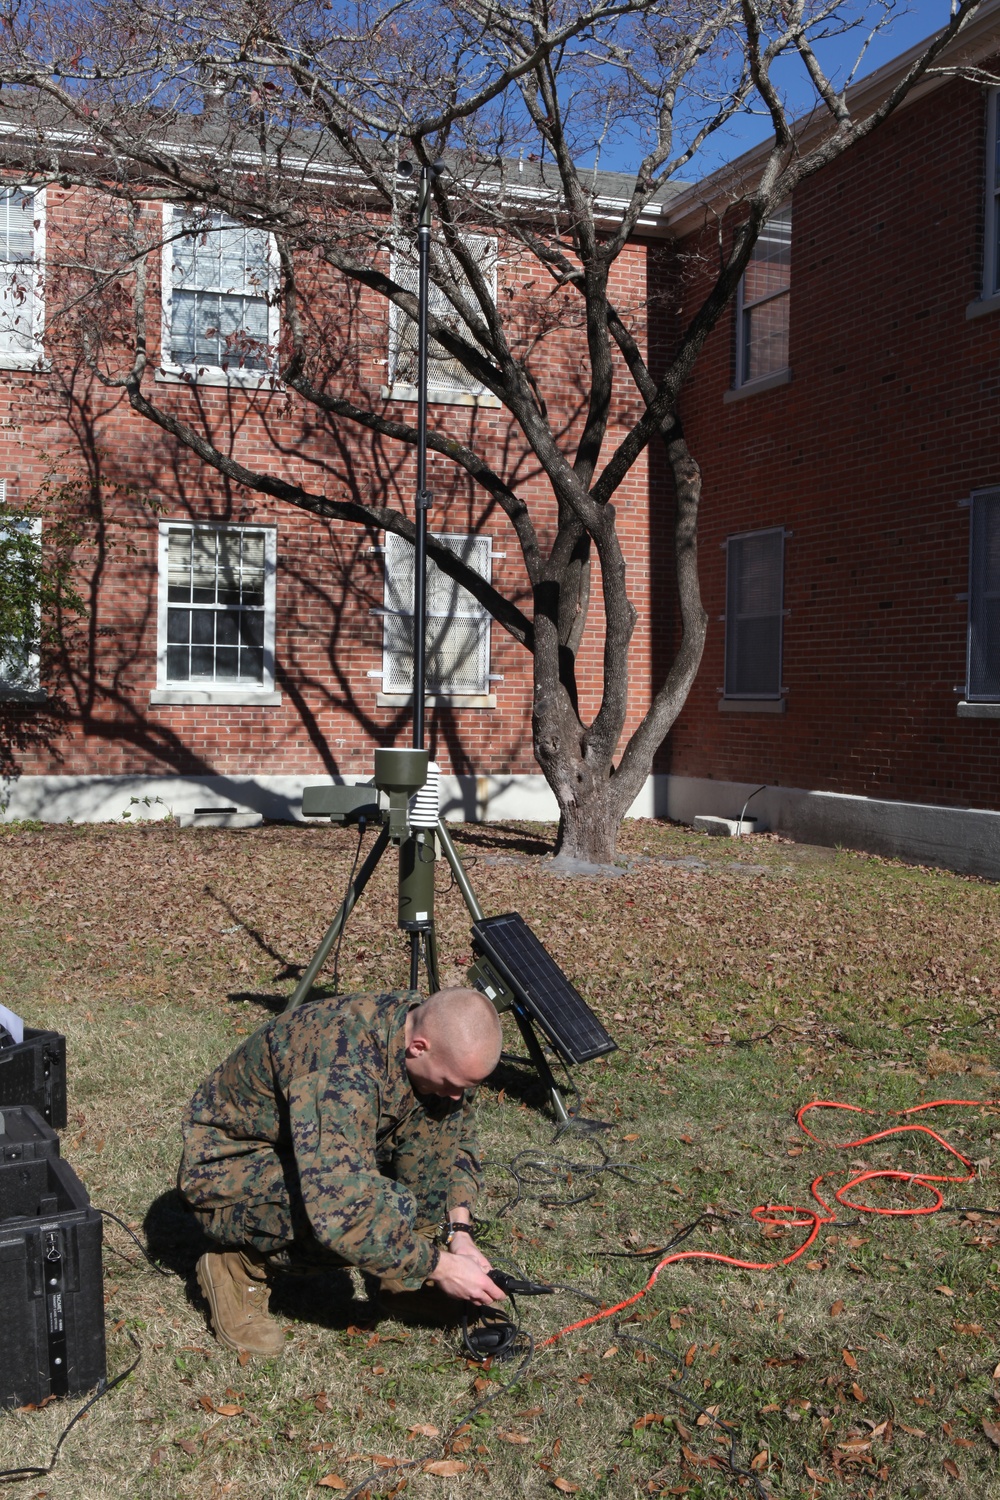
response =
{"points": [[254, 1200]]}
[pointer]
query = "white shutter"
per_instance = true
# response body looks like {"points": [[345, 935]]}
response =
{"points": [[458, 627], [443, 373]]}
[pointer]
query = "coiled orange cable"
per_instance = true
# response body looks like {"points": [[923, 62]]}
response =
{"points": [[808, 1218]]}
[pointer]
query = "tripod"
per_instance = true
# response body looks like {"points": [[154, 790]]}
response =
{"points": [[413, 823]]}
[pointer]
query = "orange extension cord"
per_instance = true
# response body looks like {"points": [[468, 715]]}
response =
{"points": [[808, 1218]]}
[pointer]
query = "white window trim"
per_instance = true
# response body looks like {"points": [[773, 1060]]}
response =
{"points": [[33, 691], [773, 377], [35, 360], [433, 696], [167, 692], [438, 395], [758, 698], [211, 375], [973, 701]]}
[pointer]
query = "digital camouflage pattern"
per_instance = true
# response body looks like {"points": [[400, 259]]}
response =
{"points": [[311, 1134]]}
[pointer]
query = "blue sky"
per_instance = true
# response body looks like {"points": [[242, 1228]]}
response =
{"points": [[914, 22]]}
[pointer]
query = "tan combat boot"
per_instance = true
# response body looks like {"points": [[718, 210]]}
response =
{"points": [[237, 1293]]}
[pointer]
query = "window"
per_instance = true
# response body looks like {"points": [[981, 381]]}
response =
{"points": [[984, 599], [218, 310], [446, 378], [216, 608], [763, 303], [20, 556], [754, 582], [22, 243], [458, 627], [991, 258]]}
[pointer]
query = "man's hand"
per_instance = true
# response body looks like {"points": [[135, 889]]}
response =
{"points": [[461, 1276], [464, 1244]]}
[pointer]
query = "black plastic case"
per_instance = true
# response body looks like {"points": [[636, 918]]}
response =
{"points": [[51, 1283], [34, 1072]]}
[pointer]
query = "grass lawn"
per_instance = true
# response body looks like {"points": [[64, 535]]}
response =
{"points": [[740, 981]]}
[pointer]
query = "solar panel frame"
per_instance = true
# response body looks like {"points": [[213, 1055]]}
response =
{"points": [[542, 988]]}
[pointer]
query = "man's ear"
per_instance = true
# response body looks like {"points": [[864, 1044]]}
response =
{"points": [[418, 1045]]}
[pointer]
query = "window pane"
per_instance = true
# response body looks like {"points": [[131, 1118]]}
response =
{"points": [[203, 567], [766, 338], [770, 266], [202, 662], [226, 663], [227, 628], [252, 664], [754, 567], [178, 664], [252, 628], [178, 625], [203, 626], [984, 599], [219, 312]]}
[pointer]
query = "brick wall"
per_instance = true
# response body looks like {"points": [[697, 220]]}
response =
{"points": [[891, 418]]}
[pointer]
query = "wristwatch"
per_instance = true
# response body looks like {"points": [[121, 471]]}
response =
{"points": [[450, 1228]]}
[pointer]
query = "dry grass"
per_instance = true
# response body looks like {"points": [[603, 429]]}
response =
{"points": [[154, 949]]}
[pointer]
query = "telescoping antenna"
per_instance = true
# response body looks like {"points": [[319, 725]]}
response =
{"points": [[510, 965]]}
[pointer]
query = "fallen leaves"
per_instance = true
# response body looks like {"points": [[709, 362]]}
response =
{"points": [[445, 1468], [565, 1486], [332, 1482], [849, 1359], [837, 1308], [648, 1420], [992, 1432]]}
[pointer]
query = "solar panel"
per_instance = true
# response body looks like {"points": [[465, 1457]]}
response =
{"points": [[541, 987]]}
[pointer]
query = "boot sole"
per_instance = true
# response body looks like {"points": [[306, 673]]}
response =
{"points": [[208, 1292]]}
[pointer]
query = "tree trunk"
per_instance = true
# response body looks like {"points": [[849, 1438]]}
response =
{"points": [[588, 826]]}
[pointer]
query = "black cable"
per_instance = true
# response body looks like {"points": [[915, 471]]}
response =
{"points": [[103, 1388], [362, 825], [107, 1214]]}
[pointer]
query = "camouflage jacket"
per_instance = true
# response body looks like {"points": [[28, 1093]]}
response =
{"points": [[324, 1088]]}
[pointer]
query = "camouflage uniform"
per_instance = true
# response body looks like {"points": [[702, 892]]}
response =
{"points": [[311, 1135]]}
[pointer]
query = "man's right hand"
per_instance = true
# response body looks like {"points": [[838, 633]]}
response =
{"points": [[459, 1276]]}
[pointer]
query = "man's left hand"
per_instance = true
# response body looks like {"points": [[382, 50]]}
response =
{"points": [[463, 1244]]}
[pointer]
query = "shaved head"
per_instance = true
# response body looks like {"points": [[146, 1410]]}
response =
{"points": [[453, 1041]]}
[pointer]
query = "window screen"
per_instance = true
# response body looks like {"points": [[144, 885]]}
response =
{"points": [[443, 373], [754, 587], [17, 273], [219, 307], [20, 559], [984, 599], [458, 629], [765, 301], [215, 606]]}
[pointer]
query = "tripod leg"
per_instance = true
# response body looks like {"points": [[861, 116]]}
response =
{"points": [[461, 879], [354, 890], [431, 961], [541, 1063]]}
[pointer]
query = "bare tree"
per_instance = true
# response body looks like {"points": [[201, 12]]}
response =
{"points": [[293, 118]]}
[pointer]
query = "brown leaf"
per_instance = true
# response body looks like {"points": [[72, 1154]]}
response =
{"points": [[647, 1420], [815, 1474], [951, 1469], [229, 1410], [857, 1392], [675, 1321], [963, 1442], [187, 1446], [513, 1437], [481, 1384], [837, 1308], [973, 1329], [332, 1482], [913, 1431], [585, 1379], [244, 1356], [992, 1432], [206, 1403], [706, 1416], [633, 1137], [944, 1291], [566, 1485], [424, 1429], [760, 1461], [530, 1411], [849, 1359], [690, 1354], [446, 1467]]}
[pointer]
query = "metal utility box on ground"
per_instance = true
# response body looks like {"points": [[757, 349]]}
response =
{"points": [[51, 1283]]}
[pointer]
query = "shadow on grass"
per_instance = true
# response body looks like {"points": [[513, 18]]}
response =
{"points": [[176, 1239], [506, 841], [269, 1002]]}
